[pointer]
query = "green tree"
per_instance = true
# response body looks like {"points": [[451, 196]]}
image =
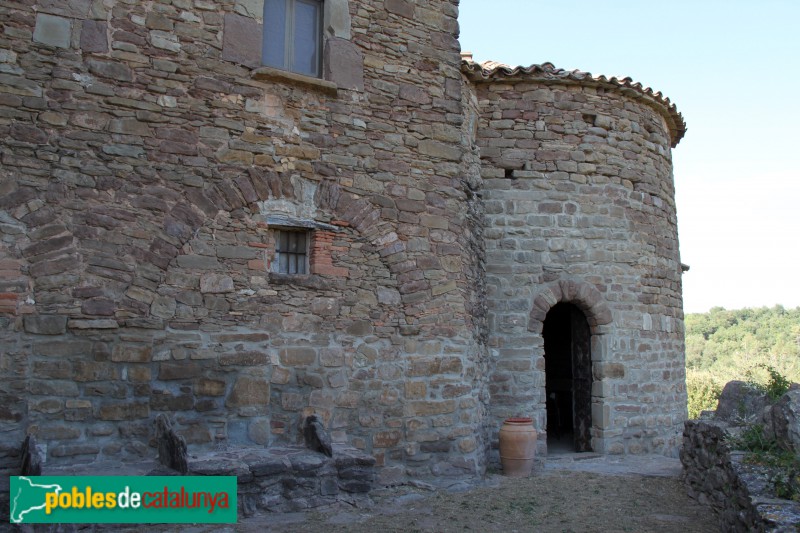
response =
{"points": [[744, 344]]}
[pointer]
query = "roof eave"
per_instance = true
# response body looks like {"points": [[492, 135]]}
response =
{"points": [[548, 74]]}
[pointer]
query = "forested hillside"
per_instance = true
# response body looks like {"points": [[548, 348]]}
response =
{"points": [[724, 345]]}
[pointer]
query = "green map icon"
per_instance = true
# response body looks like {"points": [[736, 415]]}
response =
{"points": [[28, 498]]}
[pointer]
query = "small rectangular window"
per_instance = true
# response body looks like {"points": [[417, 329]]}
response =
{"points": [[293, 35], [291, 252]]}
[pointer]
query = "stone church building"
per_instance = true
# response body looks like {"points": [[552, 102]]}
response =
{"points": [[242, 212]]}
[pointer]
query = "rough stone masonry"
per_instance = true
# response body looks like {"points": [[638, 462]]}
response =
{"points": [[150, 166]]}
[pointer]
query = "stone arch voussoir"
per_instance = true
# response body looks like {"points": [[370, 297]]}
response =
{"points": [[583, 295], [364, 217]]}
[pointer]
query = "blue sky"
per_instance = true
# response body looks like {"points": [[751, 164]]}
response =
{"points": [[733, 69]]}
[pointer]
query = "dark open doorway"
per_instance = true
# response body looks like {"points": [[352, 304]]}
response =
{"points": [[568, 379]]}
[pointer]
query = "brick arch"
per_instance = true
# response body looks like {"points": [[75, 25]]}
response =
{"points": [[247, 189], [181, 217], [583, 295], [175, 216], [235, 191]]}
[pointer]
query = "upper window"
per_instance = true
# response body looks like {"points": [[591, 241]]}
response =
{"points": [[293, 36]]}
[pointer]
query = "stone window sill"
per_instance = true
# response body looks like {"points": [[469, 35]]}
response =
{"points": [[274, 74], [309, 281]]}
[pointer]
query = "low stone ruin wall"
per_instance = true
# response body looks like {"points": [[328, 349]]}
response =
{"points": [[268, 479], [711, 478], [740, 493], [290, 479]]}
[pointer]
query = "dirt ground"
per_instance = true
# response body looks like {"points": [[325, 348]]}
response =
{"points": [[568, 498], [576, 501], [569, 493]]}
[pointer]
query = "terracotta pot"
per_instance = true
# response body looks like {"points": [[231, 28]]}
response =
{"points": [[517, 446]]}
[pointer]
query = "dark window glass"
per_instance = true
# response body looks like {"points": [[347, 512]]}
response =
{"points": [[293, 35], [306, 38], [291, 252], [273, 49]]}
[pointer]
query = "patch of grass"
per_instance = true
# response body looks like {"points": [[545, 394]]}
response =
{"points": [[753, 440], [525, 507], [783, 465]]}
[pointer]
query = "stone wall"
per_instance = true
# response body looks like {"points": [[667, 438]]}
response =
{"points": [[145, 158], [580, 208], [149, 162], [712, 480], [720, 478]]}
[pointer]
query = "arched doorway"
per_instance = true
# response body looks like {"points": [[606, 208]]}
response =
{"points": [[568, 379]]}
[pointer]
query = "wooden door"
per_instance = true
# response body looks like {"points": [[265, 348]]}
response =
{"points": [[581, 380]]}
